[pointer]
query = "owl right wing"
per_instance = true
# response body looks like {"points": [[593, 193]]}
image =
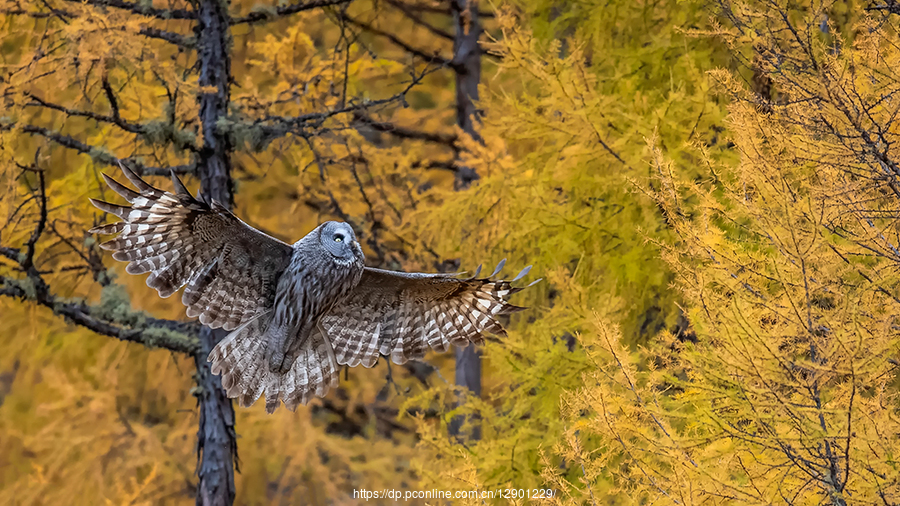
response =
{"points": [[401, 315], [231, 269]]}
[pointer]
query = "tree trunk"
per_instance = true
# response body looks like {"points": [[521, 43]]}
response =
{"points": [[468, 375], [216, 442], [467, 66]]}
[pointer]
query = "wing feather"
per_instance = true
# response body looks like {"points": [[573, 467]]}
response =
{"points": [[230, 269], [401, 315]]}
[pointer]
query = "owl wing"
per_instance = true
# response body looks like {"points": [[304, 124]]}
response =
{"points": [[400, 314], [231, 269]]}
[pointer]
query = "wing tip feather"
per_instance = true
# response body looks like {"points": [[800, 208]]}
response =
{"points": [[180, 189], [124, 191], [136, 180], [106, 207]]}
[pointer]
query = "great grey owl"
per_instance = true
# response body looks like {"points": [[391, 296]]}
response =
{"points": [[296, 312]]}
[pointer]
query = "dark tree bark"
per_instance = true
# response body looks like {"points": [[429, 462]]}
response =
{"points": [[467, 67], [466, 63], [216, 442], [468, 375]]}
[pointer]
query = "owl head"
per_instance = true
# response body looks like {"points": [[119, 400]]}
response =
{"points": [[338, 239]]}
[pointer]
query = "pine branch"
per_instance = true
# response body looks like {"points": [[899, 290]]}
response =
{"points": [[100, 155], [285, 10], [307, 125], [151, 332], [411, 14], [428, 58], [179, 40], [114, 119], [406, 132], [141, 8]]}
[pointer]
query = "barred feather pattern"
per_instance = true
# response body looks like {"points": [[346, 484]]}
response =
{"points": [[241, 360], [311, 285], [395, 314], [296, 312], [285, 355], [231, 270], [401, 315]]}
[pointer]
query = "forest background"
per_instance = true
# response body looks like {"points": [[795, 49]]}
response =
{"points": [[709, 189]]}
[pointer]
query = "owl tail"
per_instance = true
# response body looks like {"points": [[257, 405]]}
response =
{"points": [[242, 361]]}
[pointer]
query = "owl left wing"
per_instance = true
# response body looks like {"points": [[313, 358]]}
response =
{"points": [[231, 269], [401, 314]]}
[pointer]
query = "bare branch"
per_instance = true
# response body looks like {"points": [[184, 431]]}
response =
{"points": [[102, 156], [411, 14], [429, 58], [891, 7], [285, 10], [307, 125], [28, 261], [23, 12], [154, 33], [442, 10], [142, 8], [406, 132], [179, 40], [436, 164], [172, 335], [111, 97], [114, 119]]}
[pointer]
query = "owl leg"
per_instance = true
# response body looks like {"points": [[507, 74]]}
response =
{"points": [[285, 347], [277, 348], [329, 350]]}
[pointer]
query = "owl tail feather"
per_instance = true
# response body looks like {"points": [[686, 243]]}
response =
{"points": [[242, 361]]}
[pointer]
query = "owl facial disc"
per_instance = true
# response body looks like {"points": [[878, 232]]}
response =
{"points": [[339, 240]]}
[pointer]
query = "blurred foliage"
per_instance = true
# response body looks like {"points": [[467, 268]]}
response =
{"points": [[565, 131], [787, 261]]}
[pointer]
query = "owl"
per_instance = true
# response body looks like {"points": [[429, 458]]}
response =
{"points": [[296, 312]]}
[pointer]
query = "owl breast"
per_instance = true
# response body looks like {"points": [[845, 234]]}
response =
{"points": [[310, 286]]}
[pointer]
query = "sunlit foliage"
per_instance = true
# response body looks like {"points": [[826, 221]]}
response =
{"points": [[564, 132], [787, 261]]}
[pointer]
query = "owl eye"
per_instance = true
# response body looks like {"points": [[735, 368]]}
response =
{"points": [[338, 238]]}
